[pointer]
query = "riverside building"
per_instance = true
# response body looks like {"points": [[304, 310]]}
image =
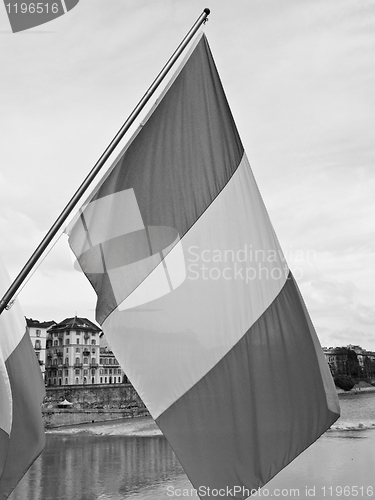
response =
{"points": [[75, 355], [38, 335]]}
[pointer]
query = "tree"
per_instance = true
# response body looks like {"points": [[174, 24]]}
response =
{"points": [[354, 368], [345, 382]]}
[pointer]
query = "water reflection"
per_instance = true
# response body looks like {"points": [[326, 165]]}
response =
{"points": [[116, 467], [85, 467]]}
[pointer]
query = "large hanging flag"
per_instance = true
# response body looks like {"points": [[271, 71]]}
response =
{"points": [[21, 393], [195, 297]]}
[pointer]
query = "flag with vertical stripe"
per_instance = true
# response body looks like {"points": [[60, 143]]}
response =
{"points": [[195, 296], [21, 394]]}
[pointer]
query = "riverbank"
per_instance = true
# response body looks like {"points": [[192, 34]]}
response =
{"points": [[59, 417], [88, 417], [142, 426], [360, 387]]}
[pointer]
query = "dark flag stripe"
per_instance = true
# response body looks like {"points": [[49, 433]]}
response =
{"points": [[258, 408], [173, 180]]}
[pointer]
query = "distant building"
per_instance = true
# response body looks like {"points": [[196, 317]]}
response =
{"points": [[110, 371], [77, 355], [38, 335], [350, 360]]}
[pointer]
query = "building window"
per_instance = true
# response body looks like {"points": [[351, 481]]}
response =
{"points": [[38, 344], [55, 334], [38, 333], [77, 380], [78, 361], [92, 380], [78, 349], [66, 361], [77, 342], [93, 371], [66, 381], [67, 341], [93, 342], [105, 371], [101, 380], [67, 349], [77, 372], [93, 361], [85, 372], [66, 372], [105, 380], [85, 361], [55, 342]]}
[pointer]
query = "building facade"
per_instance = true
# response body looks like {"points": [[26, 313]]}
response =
{"points": [[110, 371], [38, 335], [350, 360], [78, 354]]}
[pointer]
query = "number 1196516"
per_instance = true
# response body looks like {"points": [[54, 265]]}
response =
{"points": [[32, 8]]}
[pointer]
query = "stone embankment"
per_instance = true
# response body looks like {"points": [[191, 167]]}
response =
{"points": [[94, 403]]}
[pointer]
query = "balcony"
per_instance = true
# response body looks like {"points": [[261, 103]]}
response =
{"points": [[94, 365], [86, 352], [77, 365]]}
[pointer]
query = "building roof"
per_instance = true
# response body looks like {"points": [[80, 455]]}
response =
{"points": [[75, 323], [39, 324]]}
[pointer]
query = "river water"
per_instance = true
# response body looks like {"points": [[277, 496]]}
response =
{"points": [[131, 460]]}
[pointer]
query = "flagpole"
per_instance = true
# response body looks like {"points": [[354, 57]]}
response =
{"points": [[5, 301]]}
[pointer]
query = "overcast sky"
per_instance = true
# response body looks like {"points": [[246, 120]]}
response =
{"points": [[300, 79]]}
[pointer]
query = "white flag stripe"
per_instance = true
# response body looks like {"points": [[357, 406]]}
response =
{"points": [[11, 320], [191, 329]]}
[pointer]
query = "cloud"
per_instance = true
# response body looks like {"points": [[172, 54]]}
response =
{"points": [[365, 314], [353, 336]]}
